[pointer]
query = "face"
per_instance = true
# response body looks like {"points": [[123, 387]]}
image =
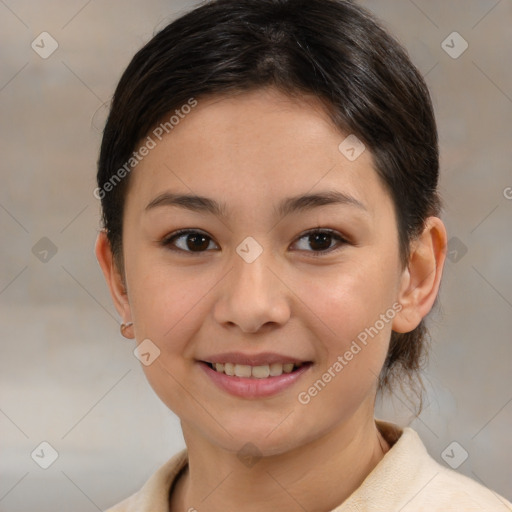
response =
{"points": [[268, 273]]}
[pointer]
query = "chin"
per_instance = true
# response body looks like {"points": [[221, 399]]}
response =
{"points": [[267, 438]]}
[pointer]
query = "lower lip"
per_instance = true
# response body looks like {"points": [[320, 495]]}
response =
{"points": [[251, 387]]}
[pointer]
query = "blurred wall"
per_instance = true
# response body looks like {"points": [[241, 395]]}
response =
{"points": [[67, 376]]}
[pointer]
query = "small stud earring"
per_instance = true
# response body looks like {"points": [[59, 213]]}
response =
{"points": [[123, 327]]}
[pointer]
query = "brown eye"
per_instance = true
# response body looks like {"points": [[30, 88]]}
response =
{"points": [[320, 240], [192, 241]]}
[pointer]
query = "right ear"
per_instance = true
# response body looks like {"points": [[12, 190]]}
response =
{"points": [[113, 277]]}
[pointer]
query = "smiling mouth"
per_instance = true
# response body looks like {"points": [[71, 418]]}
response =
{"points": [[255, 372]]}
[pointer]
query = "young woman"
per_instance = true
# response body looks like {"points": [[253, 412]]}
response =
{"points": [[268, 177]]}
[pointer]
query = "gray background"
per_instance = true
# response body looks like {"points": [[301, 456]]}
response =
{"points": [[67, 375]]}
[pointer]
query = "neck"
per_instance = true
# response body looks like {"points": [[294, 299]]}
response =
{"points": [[316, 477]]}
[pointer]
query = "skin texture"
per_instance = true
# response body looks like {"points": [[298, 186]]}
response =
{"points": [[251, 151]]}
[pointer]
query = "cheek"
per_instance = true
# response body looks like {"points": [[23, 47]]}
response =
{"points": [[167, 308], [346, 317], [164, 306], [346, 299], [351, 314]]}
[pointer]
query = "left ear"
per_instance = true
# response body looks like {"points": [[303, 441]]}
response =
{"points": [[421, 279]]}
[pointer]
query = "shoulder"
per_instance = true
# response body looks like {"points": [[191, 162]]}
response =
{"points": [[449, 490], [154, 495], [410, 480], [435, 487], [126, 505]]}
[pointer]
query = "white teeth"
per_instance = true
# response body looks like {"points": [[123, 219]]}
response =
{"points": [[257, 372], [276, 369], [288, 368], [242, 370], [261, 372]]}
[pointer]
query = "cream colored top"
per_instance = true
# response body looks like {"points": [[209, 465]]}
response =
{"points": [[407, 479]]}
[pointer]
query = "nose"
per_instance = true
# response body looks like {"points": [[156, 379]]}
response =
{"points": [[253, 295]]}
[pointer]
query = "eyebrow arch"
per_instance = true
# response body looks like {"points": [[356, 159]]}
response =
{"points": [[287, 206]]}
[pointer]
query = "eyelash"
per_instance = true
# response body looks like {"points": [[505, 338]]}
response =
{"points": [[168, 240]]}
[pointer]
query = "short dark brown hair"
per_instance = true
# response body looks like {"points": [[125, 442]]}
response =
{"points": [[333, 49]]}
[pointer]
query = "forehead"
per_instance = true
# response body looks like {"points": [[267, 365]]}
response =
{"points": [[251, 150]]}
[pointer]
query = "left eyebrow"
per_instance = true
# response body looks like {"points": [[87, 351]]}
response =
{"points": [[309, 201], [287, 206]]}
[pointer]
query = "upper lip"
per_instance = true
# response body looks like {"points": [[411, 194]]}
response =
{"points": [[252, 359]]}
